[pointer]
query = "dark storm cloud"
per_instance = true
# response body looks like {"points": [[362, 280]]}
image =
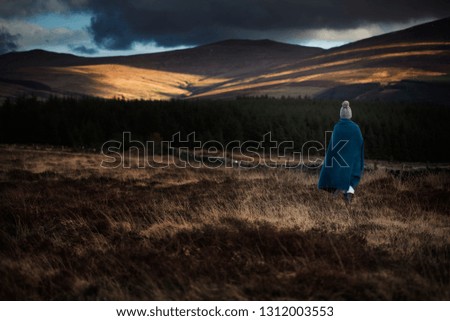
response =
{"points": [[8, 42], [117, 24], [83, 49], [26, 8]]}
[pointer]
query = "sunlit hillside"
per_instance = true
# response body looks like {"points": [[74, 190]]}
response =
{"points": [[410, 64]]}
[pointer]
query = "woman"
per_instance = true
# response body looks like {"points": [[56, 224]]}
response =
{"points": [[344, 159]]}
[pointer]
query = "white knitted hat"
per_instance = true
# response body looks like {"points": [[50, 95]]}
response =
{"points": [[346, 111]]}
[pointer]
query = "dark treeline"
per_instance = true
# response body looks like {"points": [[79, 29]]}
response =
{"points": [[392, 131]]}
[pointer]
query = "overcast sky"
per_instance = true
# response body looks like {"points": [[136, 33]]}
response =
{"points": [[117, 27]]}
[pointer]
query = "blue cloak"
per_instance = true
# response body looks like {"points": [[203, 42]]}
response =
{"points": [[344, 159]]}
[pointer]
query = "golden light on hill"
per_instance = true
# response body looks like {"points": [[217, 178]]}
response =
{"points": [[232, 68], [404, 46], [110, 81]]}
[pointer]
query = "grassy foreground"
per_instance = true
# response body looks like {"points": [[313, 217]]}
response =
{"points": [[72, 230]]}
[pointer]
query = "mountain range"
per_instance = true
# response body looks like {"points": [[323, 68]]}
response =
{"points": [[408, 65]]}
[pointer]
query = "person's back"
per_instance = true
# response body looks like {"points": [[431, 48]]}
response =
{"points": [[344, 159]]}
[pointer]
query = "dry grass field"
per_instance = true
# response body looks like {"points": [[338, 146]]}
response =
{"points": [[72, 230]]}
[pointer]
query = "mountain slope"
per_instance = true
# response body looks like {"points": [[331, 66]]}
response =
{"points": [[411, 64], [150, 76], [418, 57], [434, 31]]}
